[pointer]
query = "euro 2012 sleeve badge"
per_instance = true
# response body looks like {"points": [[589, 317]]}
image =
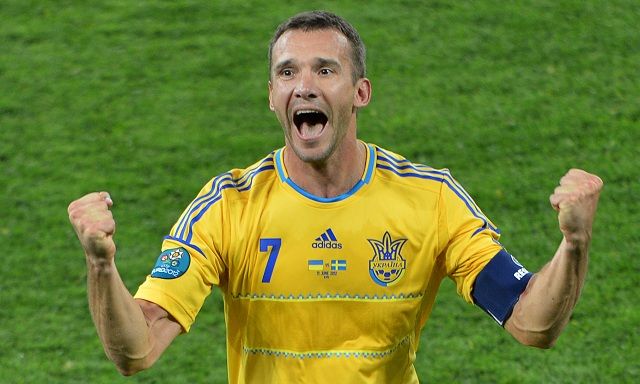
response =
{"points": [[171, 264], [387, 265]]}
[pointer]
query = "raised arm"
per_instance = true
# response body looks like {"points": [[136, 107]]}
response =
{"points": [[134, 333], [545, 306]]}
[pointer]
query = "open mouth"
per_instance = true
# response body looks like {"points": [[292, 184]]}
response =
{"points": [[310, 123]]}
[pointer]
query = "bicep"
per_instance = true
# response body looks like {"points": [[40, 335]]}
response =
{"points": [[163, 328]]}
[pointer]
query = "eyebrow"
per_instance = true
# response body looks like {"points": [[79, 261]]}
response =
{"points": [[323, 62], [282, 64]]}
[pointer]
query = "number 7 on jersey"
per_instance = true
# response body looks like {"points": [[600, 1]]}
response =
{"points": [[274, 244]]}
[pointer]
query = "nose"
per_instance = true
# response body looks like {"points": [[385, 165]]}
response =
{"points": [[306, 87]]}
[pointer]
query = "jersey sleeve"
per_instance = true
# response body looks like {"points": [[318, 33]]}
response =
{"points": [[191, 261], [472, 239]]}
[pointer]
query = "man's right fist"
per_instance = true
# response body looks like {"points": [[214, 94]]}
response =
{"points": [[94, 225]]}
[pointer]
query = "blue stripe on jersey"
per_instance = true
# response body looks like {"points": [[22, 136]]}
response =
{"points": [[415, 166], [197, 217], [372, 164], [425, 172], [205, 201], [198, 202], [332, 237], [187, 244]]}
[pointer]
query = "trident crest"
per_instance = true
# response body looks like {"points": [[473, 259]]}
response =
{"points": [[387, 265]]}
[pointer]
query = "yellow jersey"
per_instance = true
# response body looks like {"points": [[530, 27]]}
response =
{"points": [[323, 289]]}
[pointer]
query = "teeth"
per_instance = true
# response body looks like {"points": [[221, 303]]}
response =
{"points": [[306, 111]]}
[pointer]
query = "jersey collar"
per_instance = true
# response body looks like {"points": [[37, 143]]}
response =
{"points": [[366, 177]]}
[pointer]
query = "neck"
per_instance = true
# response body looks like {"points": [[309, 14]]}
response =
{"points": [[332, 177]]}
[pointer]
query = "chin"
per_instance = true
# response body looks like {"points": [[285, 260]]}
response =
{"points": [[317, 154]]}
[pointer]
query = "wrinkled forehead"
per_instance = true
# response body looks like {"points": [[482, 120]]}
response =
{"points": [[298, 44]]}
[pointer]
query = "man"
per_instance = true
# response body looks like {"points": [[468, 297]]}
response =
{"points": [[329, 251]]}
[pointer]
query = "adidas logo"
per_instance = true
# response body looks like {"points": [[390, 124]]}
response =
{"points": [[327, 240]]}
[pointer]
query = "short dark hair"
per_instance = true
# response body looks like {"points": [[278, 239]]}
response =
{"points": [[318, 20]]}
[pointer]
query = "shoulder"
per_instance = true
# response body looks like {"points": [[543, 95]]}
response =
{"points": [[255, 174], [239, 180], [393, 167]]}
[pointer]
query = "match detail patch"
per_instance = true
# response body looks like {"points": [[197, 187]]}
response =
{"points": [[171, 264]]}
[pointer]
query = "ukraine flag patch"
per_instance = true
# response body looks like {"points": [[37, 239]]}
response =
{"points": [[315, 264]]}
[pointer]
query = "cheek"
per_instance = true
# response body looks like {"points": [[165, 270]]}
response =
{"points": [[346, 99], [344, 92], [279, 97], [280, 111]]}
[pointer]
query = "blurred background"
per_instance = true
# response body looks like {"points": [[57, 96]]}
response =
{"points": [[150, 99]]}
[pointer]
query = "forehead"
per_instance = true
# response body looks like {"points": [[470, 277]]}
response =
{"points": [[299, 44]]}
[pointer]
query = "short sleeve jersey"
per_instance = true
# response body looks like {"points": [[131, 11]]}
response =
{"points": [[323, 289]]}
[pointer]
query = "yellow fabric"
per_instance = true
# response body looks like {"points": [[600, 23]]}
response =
{"points": [[322, 316]]}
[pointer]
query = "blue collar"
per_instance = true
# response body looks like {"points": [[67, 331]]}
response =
{"points": [[366, 178]]}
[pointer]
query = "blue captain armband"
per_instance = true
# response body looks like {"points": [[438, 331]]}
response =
{"points": [[499, 285]]}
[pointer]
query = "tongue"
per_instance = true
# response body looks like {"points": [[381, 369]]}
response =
{"points": [[310, 131]]}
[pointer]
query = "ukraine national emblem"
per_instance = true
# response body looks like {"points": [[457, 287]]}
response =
{"points": [[387, 265]]}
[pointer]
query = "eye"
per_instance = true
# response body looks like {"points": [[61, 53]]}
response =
{"points": [[326, 71], [287, 72]]}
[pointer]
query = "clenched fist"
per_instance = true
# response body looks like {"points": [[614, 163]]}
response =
{"points": [[576, 200], [94, 225]]}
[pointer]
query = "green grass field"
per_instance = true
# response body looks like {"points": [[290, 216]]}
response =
{"points": [[150, 99]]}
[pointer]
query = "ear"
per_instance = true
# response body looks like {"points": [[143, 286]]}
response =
{"points": [[362, 95], [271, 107]]}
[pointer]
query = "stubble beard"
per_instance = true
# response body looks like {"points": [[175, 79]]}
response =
{"points": [[309, 156]]}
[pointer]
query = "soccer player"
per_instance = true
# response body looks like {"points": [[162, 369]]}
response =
{"points": [[329, 251]]}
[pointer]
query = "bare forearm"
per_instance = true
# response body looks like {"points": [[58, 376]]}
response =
{"points": [[545, 307], [134, 333], [119, 320]]}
